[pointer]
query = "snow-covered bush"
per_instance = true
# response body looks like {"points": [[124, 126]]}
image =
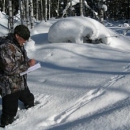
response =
{"points": [[78, 29]]}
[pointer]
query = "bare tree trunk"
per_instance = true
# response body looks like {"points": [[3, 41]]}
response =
{"points": [[31, 13], [49, 11], [58, 8], [27, 13], [81, 7], [70, 10], [24, 10], [129, 11], [10, 19], [41, 3], [37, 10], [3, 5], [21, 11], [45, 10]]}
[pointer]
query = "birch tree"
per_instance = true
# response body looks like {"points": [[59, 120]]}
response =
{"points": [[45, 10], [3, 5], [58, 2], [37, 10], [31, 13], [27, 13], [81, 7], [41, 12], [10, 19], [70, 8], [21, 11], [49, 9]]}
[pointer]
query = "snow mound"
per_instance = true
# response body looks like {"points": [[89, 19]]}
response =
{"points": [[78, 29], [83, 30]]}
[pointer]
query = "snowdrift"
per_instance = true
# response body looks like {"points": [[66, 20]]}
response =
{"points": [[83, 30], [86, 28]]}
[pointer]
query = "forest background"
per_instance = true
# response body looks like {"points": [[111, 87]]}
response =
{"points": [[46, 9]]}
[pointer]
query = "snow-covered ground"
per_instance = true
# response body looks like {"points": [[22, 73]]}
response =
{"points": [[80, 86]]}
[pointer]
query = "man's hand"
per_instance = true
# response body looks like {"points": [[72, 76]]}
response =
{"points": [[32, 62]]}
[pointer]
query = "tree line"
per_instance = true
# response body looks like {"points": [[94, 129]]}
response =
{"points": [[46, 9]]}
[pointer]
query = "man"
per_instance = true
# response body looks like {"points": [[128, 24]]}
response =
{"points": [[13, 61]]}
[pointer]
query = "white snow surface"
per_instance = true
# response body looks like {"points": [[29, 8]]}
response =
{"points": [[80, 86]]}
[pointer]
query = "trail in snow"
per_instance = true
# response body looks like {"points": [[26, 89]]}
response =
{"points": [[103, 115]]}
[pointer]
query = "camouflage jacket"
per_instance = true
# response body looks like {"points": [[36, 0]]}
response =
{"points": [[13, 61]]}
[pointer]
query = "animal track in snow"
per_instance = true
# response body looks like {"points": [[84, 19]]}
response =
{"points": [[60, 118], [88, 97], [42, 100], [48, 55]]}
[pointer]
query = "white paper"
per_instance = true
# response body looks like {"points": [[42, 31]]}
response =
{"points": [[32, 68]]}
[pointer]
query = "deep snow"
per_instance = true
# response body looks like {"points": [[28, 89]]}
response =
{"points": [[80, 86]]}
